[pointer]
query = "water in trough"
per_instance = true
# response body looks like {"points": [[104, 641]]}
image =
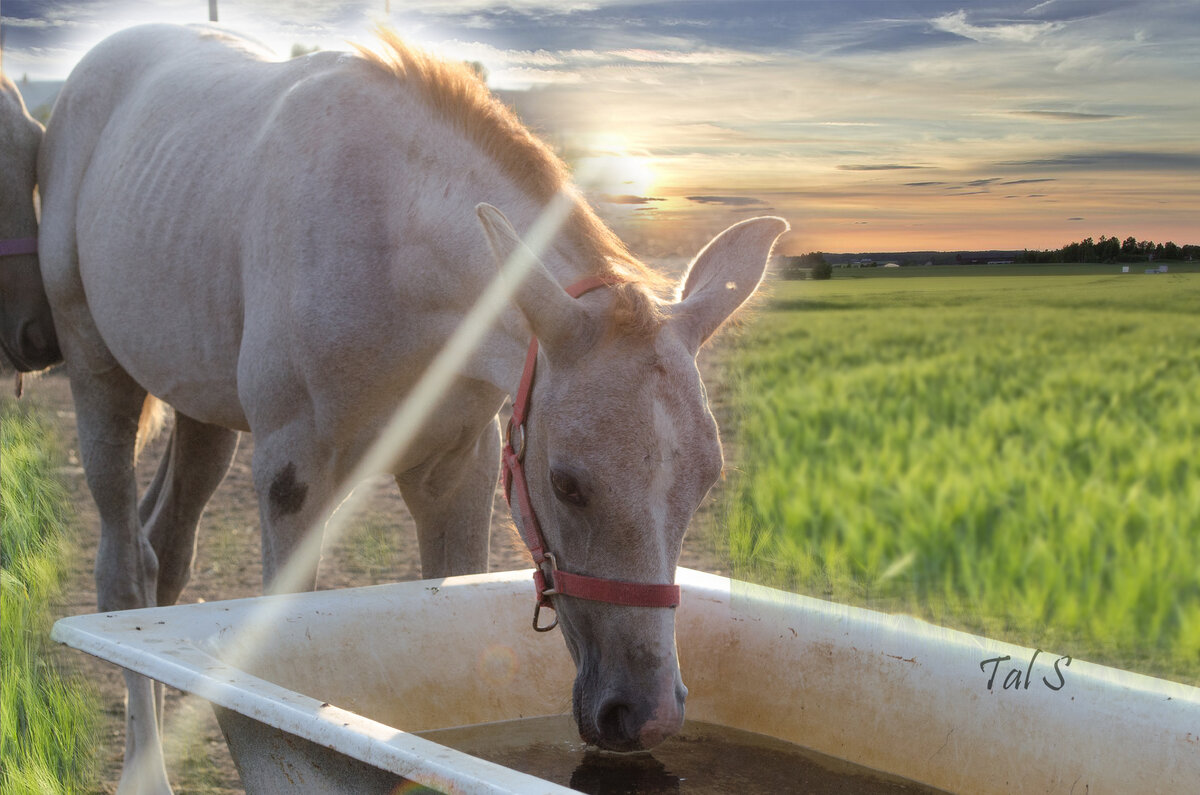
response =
{"points": [[703, 759]]}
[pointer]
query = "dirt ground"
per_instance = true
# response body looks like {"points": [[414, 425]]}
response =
{"points": [[380, 547]]}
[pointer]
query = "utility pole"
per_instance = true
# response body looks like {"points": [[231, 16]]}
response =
{"points": [[212, 10]]}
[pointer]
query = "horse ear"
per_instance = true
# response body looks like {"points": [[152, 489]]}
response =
{"points": [[555, 317], [723, 275]]}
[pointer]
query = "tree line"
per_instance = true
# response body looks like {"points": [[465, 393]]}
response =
{"points": [[1113, 249], [814, 265]]}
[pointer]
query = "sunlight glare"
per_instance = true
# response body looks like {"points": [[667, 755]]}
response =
{"points": [[620, 169]]}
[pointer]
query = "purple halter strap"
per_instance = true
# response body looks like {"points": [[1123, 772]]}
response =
{"points": [[18, 245]]}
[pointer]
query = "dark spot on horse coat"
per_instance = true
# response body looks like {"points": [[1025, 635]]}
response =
{"points": [[286, 493]]}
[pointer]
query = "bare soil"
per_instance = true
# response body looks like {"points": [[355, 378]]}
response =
{"points": [[380, 547]]}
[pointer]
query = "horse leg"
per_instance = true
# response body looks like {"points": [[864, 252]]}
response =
{"points": [[108, 405], [192, 466], [145, 509], [150, 495], [294, 482], [450, 498]]}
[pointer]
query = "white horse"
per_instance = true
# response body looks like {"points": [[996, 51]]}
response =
{"points": [[27, 335], [283, 248]]}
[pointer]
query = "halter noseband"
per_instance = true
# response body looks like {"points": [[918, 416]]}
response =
{"points": [[18, 245], [548, 578]]}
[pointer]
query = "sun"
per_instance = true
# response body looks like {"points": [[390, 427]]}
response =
{"points": [[633, 173], [614, 167]]}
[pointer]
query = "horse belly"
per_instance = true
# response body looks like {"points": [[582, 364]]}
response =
{"points": [[178, 349], [162, 281]]}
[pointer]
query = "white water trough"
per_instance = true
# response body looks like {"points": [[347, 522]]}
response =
{"points": [[332, 686]]}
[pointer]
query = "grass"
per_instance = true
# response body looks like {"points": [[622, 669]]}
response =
{"points": [[370, 546], [47, 722], [1013, 455]]}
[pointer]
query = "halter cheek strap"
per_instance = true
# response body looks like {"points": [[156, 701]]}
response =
{"points": [[548, 578], [18, 245]]}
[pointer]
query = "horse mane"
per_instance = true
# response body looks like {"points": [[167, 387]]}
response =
{"points": [[456, 92]]}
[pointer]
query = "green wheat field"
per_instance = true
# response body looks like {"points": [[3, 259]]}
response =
{"points": [[1014, 453]]}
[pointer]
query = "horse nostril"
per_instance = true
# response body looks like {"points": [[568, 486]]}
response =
{"points": [[615, 727]]}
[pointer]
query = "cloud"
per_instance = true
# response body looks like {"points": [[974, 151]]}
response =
{"points": [[512, 6], [523, 78], [1063, 10], [999, 32], [728, 201], [481, 51], [922, 184], [1064, 116], [703, 58], [835, 123], [1116, 160], [627, 198], [1028, 181], [35, 23], [877, 167]]}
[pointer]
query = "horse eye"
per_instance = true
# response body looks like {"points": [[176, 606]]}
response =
{"points": [[566, 488]]}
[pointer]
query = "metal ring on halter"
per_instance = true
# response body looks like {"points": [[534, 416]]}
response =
{"points": [[517, 445], [545, 594], [537, 609]]}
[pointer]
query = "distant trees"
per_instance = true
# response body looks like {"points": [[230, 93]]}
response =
{"points": [[1111, 249], [807, 266]]}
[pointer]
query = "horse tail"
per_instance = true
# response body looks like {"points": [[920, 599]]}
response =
{"points": [[154, 415]]}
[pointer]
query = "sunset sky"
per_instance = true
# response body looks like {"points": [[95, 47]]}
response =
{"points": [[870, 126]]}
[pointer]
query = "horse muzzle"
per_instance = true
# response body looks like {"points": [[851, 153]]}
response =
{"points": [[32, 346], [631, 718]]}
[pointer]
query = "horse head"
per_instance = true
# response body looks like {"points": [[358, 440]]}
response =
{"points": [[27, 334], [620, 447]]}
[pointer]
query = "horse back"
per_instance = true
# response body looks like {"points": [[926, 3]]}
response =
{"points": [[212, 207]]}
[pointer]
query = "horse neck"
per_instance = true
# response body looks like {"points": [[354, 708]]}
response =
{"points": [[501, 361], [464, 175]]}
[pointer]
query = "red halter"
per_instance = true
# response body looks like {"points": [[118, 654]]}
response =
{"points": [[18, 245], [563, 583]]}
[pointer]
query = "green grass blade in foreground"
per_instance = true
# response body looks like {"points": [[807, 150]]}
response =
{"points": [[47, 723]]}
